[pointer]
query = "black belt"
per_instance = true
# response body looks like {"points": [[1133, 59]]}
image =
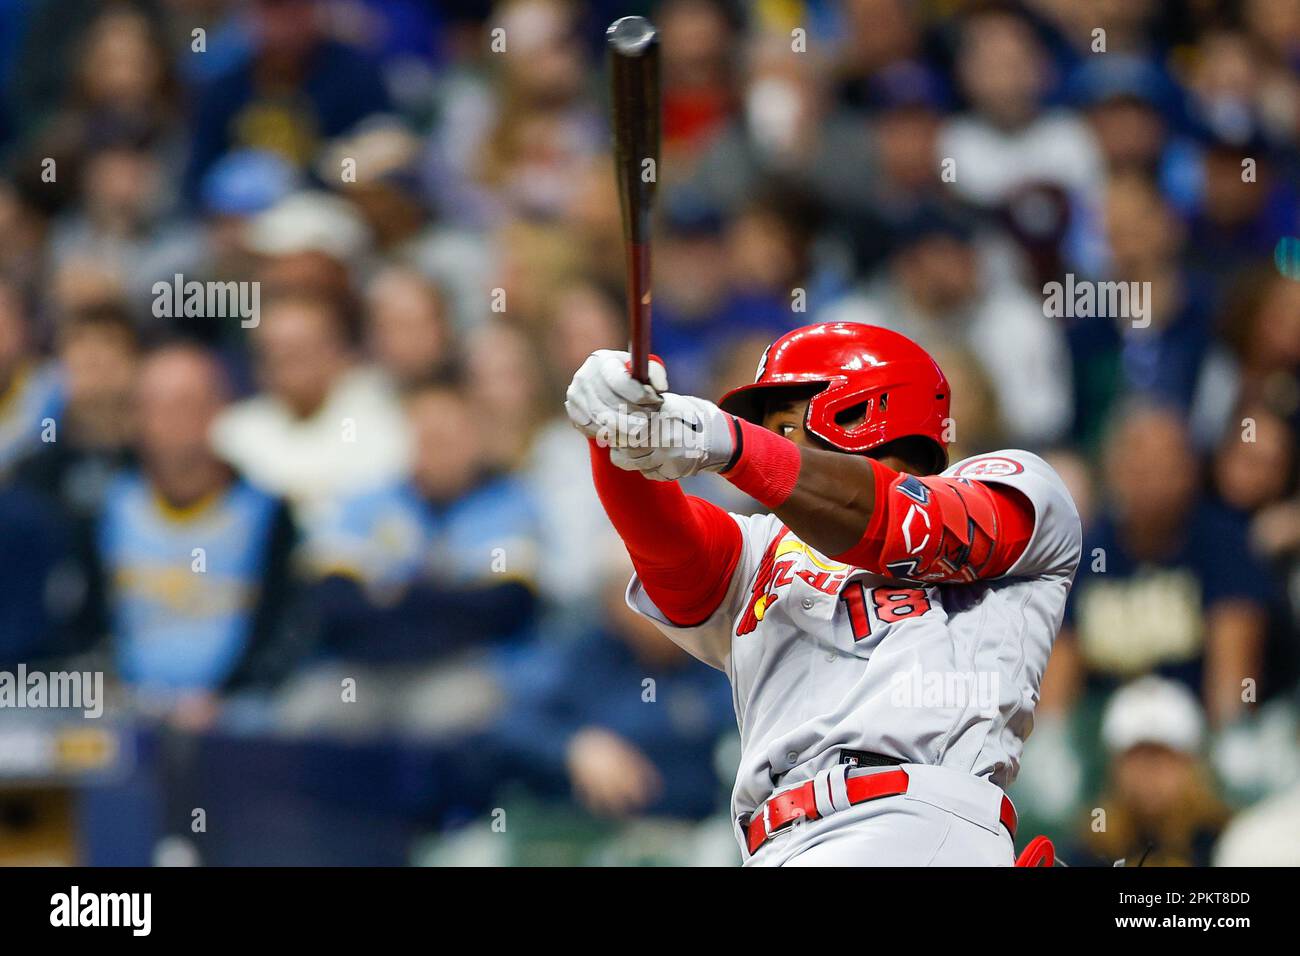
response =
{"points": [[865, 758]]}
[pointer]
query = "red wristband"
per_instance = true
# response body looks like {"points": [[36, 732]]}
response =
{"points": [[766, 466]]}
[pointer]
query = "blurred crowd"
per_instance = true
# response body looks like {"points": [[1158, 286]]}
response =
{"points": [[359, 512]]}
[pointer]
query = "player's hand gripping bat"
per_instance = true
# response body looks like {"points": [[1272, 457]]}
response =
{"points": [[634, 87]]}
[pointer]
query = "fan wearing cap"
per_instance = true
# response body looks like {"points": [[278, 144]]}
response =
{"points": [[1160, 802], [885, 627]]}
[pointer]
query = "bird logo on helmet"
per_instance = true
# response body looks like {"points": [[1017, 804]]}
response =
{"points": [[873, 386]]}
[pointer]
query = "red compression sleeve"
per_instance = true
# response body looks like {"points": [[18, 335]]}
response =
{"points": [[942, 529], [766, 465], [684, 549]]}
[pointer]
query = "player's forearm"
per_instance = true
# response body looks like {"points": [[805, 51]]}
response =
{"points": [[831, 505], [824, 497]]}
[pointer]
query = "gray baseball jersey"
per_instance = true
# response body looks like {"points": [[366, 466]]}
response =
{"points": [[826, 659]]}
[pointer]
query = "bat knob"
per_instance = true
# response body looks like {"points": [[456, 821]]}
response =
{"points": [[630, 36]]}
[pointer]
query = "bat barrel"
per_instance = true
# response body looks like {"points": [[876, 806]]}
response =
{"points": [[634, 100], [634, 94]]}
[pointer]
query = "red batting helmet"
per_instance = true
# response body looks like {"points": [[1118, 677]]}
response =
{"points": [[862, 368]]}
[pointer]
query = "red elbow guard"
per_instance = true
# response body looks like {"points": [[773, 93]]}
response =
{"points": [[942, 529]]}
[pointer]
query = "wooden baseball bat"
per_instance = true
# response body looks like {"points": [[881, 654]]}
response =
{"points": [[634, 105]]}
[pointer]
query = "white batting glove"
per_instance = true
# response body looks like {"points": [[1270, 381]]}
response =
{"points": [[682, 437], [603, 393]]}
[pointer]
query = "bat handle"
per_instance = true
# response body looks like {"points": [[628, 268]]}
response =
{"points": [[638, 302]]}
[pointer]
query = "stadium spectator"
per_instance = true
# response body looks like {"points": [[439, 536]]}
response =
{"points": [[1007, 139], [974, 404], [932, 290], [620, 716], [30, 391], [1130, 105], [516, 162], [196, 561], [123, 226], [407, 332], [239, 187], [534, 262], [92, 440], [503, 380], [296, 86], [1227, 92], [904, 179], [434, 563], [1254, 465], [1152, 337], [774, 276], [1254, 473], [725, 279], [879, 35], [1242, 208], [699, 87], [310, 240], [1168, 582], [693, 296], [1256, 358], [23, 223], [417, 580], [33, 591], [327, 426], [87, 63], [1160, 807], [376, 170], [572, 523], [1264, 834], [783, 128]]}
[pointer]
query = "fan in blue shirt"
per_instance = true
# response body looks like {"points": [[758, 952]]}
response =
{"points": [[440, 561]]}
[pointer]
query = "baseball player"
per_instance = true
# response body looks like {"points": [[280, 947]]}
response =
{"points": [[885, 628]]}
